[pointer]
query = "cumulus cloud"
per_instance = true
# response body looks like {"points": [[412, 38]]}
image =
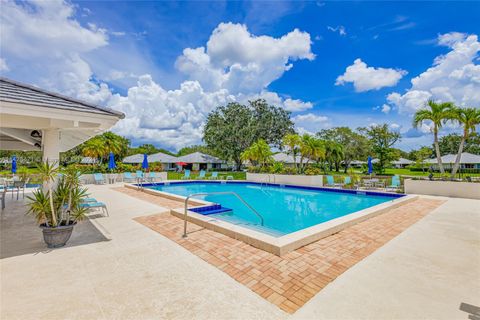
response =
{"points": [[310, 122], [453, 77], [386, 108], [236, 60], [365, 78], [45, 45]]}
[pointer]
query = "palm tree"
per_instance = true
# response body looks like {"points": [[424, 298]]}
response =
{"points": [[334, 153], [311, 148], [48, 172], [438, 113], [94, 148], [292, 141], [258, 153], [469, 118]]}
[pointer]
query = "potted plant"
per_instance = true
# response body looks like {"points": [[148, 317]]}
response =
{"points": [[57, 206]]}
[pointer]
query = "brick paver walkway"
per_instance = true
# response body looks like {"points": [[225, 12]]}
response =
{"points": [[293, 279]]}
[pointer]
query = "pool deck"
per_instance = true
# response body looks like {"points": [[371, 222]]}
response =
{"points": [[117, 268]]}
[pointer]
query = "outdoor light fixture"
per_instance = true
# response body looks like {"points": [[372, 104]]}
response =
{"points": [[36, 134]]}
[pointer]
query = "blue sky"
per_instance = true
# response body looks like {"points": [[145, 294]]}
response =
{"points": [[130, 56]]}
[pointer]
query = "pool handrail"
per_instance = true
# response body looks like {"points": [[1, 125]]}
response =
{"points": [[215, 193]]}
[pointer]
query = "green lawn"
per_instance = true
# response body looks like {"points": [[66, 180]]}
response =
{"points": [[221, 175]]}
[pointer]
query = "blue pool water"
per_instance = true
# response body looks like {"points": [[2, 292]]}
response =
{"points": [[285, 209]]}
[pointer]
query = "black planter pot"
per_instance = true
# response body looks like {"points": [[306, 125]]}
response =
{"points": [[58, 236]]}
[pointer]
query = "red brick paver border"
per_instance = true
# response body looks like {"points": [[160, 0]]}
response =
{"points": [[293, 279]]}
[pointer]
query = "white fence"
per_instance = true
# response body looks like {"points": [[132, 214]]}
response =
{"points": [[301, 180], [117, 177], [452, 189]]}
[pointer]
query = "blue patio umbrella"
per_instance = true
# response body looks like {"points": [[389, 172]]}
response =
{"points": [[145, 161], [14, 164], [370, 165], [111, 161]]}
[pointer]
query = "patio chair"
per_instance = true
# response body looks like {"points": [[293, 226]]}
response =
{"points": [[347, 180], [127, 177], [151, 177], [95, 206], [202, 174], [139, 174], [19, 184], [86, 200], [99, 179], [186, 175], [214, 175], [331, 182], [395, 184]]}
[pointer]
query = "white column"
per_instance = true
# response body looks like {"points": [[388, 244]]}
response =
{"points": [[51, 145]]}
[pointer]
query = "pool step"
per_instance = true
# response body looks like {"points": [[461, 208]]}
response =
{"points": [[207, 210]]}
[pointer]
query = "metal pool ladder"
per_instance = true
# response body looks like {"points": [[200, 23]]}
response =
{"points": [[185, 216]]}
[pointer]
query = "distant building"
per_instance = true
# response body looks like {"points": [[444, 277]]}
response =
{"points": [[402, 163], [467, 161], [168, 161], [133, 159], [201, 161], [286, 158]]}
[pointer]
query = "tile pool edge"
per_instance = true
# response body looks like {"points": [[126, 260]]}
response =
{"points": [[283, 244]]}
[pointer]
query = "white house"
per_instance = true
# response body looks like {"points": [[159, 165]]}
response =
{"points": [[34, 119], [168, 162], [201, 161], [402, 163], [286, 158], [467, 161]]}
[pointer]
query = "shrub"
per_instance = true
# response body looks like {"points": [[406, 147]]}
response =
{"points": [[313, 171]]}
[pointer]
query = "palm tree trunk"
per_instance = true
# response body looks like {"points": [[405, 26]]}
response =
{"points": [[437, 151], [459, 156], [54, 218]]}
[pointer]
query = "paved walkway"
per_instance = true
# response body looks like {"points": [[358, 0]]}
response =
{"points": [[128, 271], [293, 279]]}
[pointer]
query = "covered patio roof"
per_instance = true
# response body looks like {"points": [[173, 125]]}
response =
{"points": [[35, 119]]}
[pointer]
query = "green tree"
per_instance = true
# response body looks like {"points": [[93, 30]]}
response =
{"points": [[382, 139], [99, 147], [355, 145], [311, 148], [258, 153], [421, 155], [291, 142], [438, 114], [468, 118], [333, 154], [450, 143], [195, 148], [231, 129]]}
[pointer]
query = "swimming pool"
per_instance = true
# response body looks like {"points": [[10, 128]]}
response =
{"points": [[285, 209]]}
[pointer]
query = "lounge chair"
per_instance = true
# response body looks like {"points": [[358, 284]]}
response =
{"points": [[127, 177], [95, 205], [86, 200], [330, 181], [99, 179], [214, 175], [347, 180], [202, 174], [139, 174], [395, 184], [151, 177], [186, 175]]}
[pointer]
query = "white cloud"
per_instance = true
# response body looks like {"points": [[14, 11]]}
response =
{"points": [[45, 45], [453, 77], [340, 29], [310, 122], [3, 65], [386, 108], [309, 117], [236, 60], [366, 78]]}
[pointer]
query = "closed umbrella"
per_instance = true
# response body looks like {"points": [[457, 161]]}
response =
{"points": [[370, 165], [145, 161], [111, 161], [14, 164]]}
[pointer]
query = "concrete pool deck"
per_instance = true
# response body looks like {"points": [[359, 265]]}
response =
{"points": [[127, 271]]}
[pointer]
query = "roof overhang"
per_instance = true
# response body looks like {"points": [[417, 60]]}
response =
{"points": [[19, 120]]}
